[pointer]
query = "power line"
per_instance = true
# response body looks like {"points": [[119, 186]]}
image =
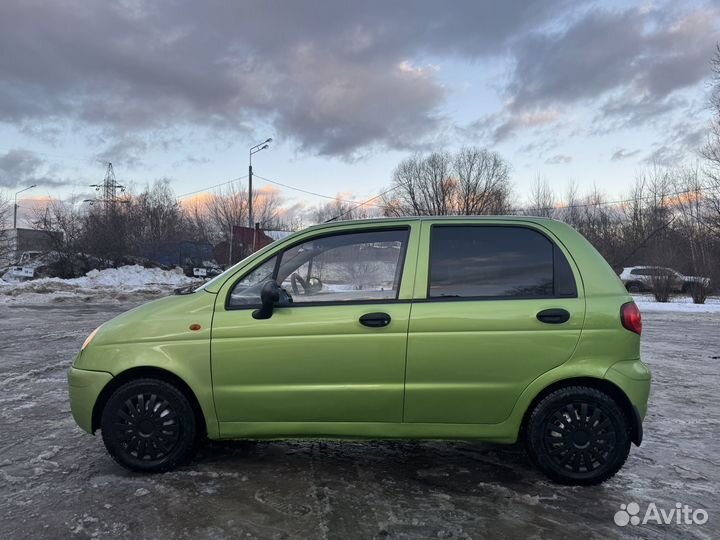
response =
{"points": [[623, 201], [212, 187], [362, 204], [382, 206], [330, 197]]}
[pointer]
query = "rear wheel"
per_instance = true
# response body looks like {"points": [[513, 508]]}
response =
{"points": [[149, 425], [578, 435], [633, 287]]}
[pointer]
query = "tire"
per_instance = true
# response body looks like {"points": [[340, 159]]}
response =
{"points": [[578, 436], [148, 425], [633, 287]]}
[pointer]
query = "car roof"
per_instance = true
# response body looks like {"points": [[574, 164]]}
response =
{"points": [[405, 219]]}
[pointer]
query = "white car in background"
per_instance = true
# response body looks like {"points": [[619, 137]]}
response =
{"points": [[639, 278]]}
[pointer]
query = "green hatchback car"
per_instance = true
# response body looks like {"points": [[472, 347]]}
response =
{"points": [[496, 329]]}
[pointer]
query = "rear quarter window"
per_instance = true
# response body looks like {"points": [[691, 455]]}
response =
{"points": [[493, 262]]}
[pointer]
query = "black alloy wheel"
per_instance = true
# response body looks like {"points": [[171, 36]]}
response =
{"points": [[149, 425], [578, 435]]}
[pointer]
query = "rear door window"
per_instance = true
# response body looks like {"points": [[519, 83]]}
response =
{"points": [[491, 262]]}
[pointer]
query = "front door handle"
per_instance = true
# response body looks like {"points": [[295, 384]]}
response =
{"points": [[375, 320], [553, 316]]}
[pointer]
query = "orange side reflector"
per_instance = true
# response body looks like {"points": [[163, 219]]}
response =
{"points": [[195, 327]]}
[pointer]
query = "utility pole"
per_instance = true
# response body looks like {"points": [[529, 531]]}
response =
{"points": [[109, 189], [15, 206], [254, 150]]}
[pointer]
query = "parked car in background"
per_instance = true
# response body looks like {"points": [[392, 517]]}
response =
{"points": [[639, 278], [498, 329]]}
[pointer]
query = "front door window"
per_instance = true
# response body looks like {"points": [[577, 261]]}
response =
{"points": [[346, 267]]}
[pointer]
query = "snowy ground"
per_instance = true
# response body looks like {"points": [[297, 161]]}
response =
{"points": [[111, 285], [58, 482], [646, 302]]}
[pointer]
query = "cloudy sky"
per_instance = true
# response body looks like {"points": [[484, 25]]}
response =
{"points": [[590, 91]]}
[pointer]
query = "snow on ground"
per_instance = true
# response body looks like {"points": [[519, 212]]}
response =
{"points": [[646, 302], [112, 283]]}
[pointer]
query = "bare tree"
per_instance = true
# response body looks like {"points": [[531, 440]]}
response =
{"points": [[711, 151], [5, 213], [156, 219], [105, 232], [198, 221], [5, 210], [474, 181], [229, 207], [483, 182], [569, 210], [63, 221], [340, 210], [542, 198], [692, 210], [422, 186]]}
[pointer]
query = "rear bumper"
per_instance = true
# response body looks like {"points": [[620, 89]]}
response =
{"points": [[84, 387], [633, 378]]}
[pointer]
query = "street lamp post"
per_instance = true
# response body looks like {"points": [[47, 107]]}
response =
{"points": [[15, 206], [254, 150]]}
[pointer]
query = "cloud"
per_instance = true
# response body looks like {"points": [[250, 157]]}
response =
{"points": [[125, 150], [335, 77], [503, 126], [683, 139], [558, 159], [636, 57], [22, 168], [16, 165], [623, 153], [631, 66], [606, 50]]}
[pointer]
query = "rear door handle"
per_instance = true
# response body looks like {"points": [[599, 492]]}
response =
{"points": [[553, 316], [375, 320]]}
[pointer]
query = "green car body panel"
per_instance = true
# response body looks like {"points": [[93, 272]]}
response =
{"points": [[451, 369]]}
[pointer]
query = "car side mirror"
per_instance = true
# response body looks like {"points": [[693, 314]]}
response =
{"points": [[271, 295]]}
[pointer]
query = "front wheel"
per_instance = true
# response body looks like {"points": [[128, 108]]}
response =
{"points": [[148, 425], [578, 435]]}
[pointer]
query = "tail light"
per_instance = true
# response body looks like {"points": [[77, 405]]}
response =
{"points": [[630, 317]]}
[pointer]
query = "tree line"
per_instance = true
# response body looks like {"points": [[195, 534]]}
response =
{"points": [[668, 217]]}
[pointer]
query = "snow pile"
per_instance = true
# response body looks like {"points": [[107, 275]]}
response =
{"points": [[112, 283], [679, 303], [130, 278]]}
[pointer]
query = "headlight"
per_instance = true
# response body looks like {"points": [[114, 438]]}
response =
{"points": [[89, 338]]}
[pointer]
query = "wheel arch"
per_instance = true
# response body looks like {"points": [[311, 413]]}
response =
{"points": [[148, 372], [603, 385]]}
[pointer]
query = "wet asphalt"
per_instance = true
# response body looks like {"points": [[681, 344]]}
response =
{"points": [[58, 482]]}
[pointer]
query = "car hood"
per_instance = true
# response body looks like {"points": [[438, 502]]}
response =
{"points": [[165, 319]]}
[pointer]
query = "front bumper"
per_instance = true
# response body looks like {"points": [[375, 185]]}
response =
{"points": [[84, 388]]}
